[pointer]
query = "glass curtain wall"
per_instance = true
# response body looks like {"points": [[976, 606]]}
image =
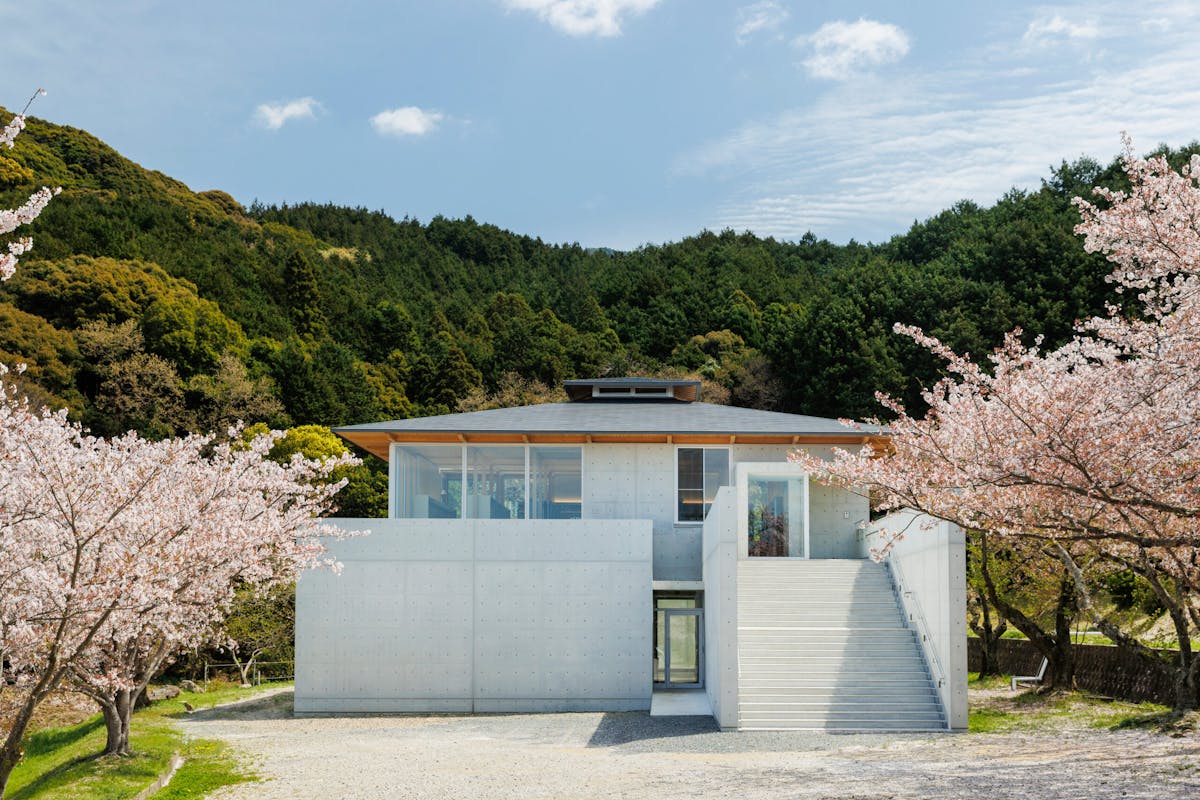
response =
{"points": [[555, 482], [429, 482], [495, 482], [500, 482]]}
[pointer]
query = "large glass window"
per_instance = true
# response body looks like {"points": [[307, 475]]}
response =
{"points": [[555, 482], [451, 481], [701, 472], [777, 516], [496, 482], [429, 484]]}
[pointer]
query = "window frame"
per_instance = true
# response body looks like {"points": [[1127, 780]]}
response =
{"points": [[675, 472]]}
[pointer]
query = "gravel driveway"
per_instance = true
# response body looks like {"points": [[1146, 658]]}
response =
{"points": [[634, 756]]}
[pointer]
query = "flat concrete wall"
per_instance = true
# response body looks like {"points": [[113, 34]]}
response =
{"points": [[637, 481], [929, 565], [720, 608], [478, 615], [834, 516]]}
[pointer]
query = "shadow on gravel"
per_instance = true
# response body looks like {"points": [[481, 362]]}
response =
{"points": [[272, 706], [617, 728]]}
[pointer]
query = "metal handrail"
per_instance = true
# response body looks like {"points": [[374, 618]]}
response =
{"points": [[917, 615]]}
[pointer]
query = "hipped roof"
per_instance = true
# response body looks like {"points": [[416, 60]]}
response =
{"points": [[641, 421]]}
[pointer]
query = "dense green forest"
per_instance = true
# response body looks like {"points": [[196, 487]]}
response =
{"points": [[145, 305]]}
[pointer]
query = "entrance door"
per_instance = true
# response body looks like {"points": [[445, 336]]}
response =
{"points": [[679, 647]]}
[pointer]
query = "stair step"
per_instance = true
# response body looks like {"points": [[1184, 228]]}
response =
{"points": [[845, 727], [757, 712], [764, 709], [824, 645], [787, 694], [819, 659], [768, 679]]}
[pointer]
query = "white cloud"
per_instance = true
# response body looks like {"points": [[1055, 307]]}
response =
{"points": [[840, 49], [584, 17], [1055, 26], [406, 121], [275, 115], [759, 17], [867, 169]]}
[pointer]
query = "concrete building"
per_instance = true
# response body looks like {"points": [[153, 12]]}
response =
{"points": [[632, 547]]}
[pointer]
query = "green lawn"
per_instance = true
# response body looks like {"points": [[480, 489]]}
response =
{"points": [[61, 763], [993, 709]]}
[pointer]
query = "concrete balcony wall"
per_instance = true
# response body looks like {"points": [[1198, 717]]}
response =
{"points": [[478, 616]]}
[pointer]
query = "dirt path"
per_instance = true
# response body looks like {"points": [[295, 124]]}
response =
{"points": [[634, 756]]}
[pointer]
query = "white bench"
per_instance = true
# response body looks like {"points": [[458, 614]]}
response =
{"points": [[1029, 680]]}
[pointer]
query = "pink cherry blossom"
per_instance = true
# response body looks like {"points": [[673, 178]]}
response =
{"points": [[12, 219], [115, 553], [1092, 447]]}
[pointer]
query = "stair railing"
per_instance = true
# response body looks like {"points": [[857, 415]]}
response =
{"points": [[915, 619]]}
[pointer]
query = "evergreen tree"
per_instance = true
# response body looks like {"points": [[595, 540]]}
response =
{"points": [[303, 296]]}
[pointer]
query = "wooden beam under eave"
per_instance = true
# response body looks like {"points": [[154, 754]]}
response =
{"points": [[558, 438], [494, 438], [881, 446], [426, 437], [377, 442], [701, 438]]}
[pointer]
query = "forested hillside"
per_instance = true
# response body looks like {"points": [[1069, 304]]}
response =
{"points": [[146, 305]]}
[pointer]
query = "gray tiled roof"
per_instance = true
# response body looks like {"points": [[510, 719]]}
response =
{"points": [[619, 417]]}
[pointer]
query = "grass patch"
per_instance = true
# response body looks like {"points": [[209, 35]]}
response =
{"points": [[993, 709], [62, 763], [208, 767], [987, 682]]}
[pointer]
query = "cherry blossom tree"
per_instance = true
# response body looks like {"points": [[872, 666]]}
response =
{"points": [[1091, 450], [116, 552], [11, 219]]}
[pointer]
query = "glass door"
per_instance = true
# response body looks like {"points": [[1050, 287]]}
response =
{"points": [[678, 643]]}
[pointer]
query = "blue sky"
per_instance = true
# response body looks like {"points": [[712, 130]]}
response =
{"points": [[614, 122]]}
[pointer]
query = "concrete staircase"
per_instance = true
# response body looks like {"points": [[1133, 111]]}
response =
{"points": [[823, 644]]}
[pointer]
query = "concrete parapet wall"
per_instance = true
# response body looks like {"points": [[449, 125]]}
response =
{"points": [[720, 607], [478, 615], [929, 564]]}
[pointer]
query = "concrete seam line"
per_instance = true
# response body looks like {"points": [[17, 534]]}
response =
{"points": [[163, 779]]}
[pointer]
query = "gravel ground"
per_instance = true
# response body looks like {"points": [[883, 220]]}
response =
{"points": [[634, 756]]}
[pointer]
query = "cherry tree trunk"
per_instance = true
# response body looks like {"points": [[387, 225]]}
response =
{"points": [[244, 668], [118, 711], [1187, 690], [989, 638], [10, 750], [10, 754]]}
